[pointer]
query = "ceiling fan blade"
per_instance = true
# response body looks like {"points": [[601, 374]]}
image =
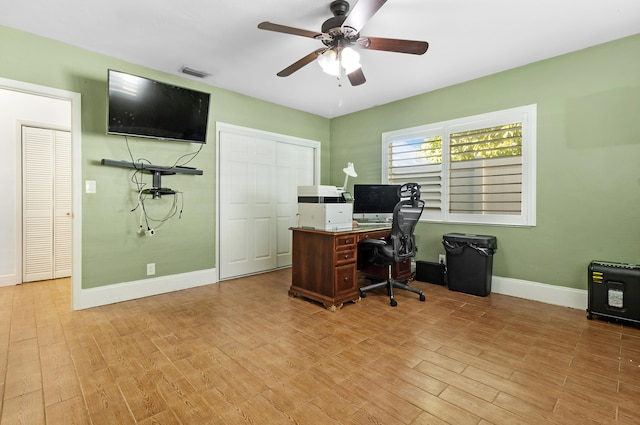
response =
{"points": [[394, 45], [300, 63], [270, 26], [356, 77], [361, 13]]}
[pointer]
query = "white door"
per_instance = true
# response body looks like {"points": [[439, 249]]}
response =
{"points": [[258, 184], [295, 166], [46, 203], [247, 192]]}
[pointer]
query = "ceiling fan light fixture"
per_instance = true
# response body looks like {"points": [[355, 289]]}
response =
{"points": [[329, 63], [350, 60]]}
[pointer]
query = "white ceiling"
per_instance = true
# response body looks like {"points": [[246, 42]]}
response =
{"points": [[468, 39]]}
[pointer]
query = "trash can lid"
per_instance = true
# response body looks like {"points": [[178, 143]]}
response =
{"points": [[484, 241]]}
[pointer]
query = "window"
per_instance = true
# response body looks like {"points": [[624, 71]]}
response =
{"points": [[478, 170]]}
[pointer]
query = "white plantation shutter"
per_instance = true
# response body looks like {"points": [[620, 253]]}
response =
{"points": [[487, 172], [419, 160]]}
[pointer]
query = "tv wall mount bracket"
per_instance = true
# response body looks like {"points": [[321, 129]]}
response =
{"points": [[157, 171]]}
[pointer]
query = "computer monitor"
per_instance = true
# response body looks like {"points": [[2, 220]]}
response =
{"points": [[375, 201]]}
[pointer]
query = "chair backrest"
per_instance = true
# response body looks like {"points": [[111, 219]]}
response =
{"points": [[406, 214]]}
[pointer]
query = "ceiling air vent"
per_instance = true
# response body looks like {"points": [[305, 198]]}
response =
{"points": [[194, 72]]}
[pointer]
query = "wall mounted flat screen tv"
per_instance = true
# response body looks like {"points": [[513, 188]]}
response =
{"points": [[142, 107], [375, 198]]}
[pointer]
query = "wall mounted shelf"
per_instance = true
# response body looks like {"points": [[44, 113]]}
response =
{"points": [[157, 170]]}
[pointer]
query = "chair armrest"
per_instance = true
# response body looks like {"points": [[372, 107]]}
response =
{"points": [[373, 242]]}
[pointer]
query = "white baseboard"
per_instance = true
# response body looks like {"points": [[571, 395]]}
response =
{"points": [[94, 297], [550, 294], [8, 280], [126, 291]]}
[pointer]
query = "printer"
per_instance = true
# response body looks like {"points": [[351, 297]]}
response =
{"points": [[324, 207]]}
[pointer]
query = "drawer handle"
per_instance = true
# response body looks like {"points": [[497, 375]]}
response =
{"points": [[346, 256], [346, 279]]}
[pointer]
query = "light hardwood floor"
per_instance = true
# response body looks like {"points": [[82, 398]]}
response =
{"points": [[243, 352]]}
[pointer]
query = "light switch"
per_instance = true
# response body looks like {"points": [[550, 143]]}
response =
{"points": [[90, 186]]}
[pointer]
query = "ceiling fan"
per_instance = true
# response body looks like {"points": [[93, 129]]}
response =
{"points": [[339, 34]]}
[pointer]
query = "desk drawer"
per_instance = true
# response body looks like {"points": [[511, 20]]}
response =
{"points": [[345, 256], [345, 278], [381, 234], [345, 242]]}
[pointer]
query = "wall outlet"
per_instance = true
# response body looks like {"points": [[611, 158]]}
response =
{"points": [[442, 259], [151, 269]]}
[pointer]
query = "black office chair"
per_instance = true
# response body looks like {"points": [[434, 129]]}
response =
{"points": [[399, 246]]}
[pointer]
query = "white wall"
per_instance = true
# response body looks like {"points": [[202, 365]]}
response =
{"points": [[19, 108]]}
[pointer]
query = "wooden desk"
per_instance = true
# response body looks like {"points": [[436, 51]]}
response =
{"points": [[325, 264]]}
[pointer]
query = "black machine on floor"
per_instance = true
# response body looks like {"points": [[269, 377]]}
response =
{"points": [[614, 291], [427, 271]]}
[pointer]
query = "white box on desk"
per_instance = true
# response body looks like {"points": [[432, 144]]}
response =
{"points": [[326, 216], [319, 191]]}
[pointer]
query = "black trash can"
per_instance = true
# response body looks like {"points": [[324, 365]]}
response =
{"points": [[469, 262]]}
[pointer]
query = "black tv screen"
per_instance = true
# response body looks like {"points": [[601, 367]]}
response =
{"points": [[142, 107], [375, 198]]}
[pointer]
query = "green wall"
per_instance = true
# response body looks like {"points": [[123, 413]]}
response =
{"points": [[588, 159], [588, 151], [112, 250]]}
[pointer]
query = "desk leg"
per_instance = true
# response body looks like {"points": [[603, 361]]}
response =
{"points": [[332, 307]]}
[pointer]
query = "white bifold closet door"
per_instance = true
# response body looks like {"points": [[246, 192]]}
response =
{"points": [[258, 201], [47, 242], [295, 167]]}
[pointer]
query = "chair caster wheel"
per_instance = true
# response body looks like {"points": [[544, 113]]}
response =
{"points": [[363, 294], [393, 302], [422, 297]]}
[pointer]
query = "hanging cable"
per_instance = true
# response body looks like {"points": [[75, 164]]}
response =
{"points": [[146, 222], [193, 155]]}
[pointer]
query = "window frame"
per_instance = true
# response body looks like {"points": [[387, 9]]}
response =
{"points": [[527, 115]]}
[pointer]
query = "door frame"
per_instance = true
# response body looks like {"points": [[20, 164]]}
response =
{"points": [[261, 134], [76, 172]]}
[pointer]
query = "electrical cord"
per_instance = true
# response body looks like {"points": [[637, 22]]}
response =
{"points": [[193, 156], [145, 220]]}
